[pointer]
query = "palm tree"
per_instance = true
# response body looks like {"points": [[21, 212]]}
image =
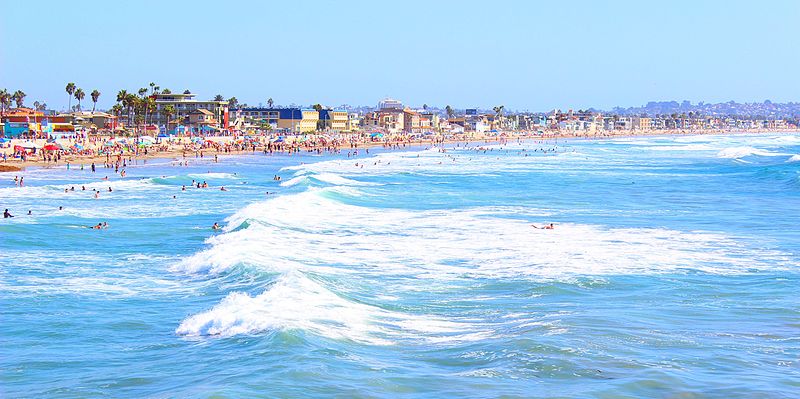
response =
{"points": [[149, 105], [95, 95], [233, 103], [70, 91], [130, 103], [142, 92], [219, 97], [166, 91], [36, 105], [270, 102], [122, 95], [449, 110], [425, 107], [116, 109], [498, 111], [79, 95], [168, 111], [5, 101], [156, 89], [19, 97], [152, 88]]}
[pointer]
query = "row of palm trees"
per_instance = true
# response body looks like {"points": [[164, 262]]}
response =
{"points": [[79, 94], [7, 98], [140, 106]]}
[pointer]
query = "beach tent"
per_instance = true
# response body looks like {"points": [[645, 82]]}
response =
{"points": [[376, 134]]}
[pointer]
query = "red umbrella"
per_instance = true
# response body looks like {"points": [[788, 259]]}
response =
{"points": [[51, 147]]}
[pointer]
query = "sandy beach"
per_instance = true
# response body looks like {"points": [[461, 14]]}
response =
{"points": [[96, 149]]}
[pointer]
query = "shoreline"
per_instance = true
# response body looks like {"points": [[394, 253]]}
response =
{"points": [[177, 151]]}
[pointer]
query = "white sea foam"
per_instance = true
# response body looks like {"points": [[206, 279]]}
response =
{"points": [[741, 152], [212, 175], [296, 302], [794, 158], [325, 177], [34, 275], [335, 179], [294, 181], [309, 231], [310, 234], [688, 147]]}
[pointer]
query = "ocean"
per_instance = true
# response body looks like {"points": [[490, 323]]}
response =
{"points": [[672, 271]]}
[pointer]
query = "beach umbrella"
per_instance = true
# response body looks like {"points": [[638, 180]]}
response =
{"points": [[51, 147]]}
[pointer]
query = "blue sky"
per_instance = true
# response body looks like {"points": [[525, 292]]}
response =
{"points": [[523, 54]]}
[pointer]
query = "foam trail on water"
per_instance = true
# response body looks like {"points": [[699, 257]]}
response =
{"points": [[309, 231], [295, 302], [741, 152]]}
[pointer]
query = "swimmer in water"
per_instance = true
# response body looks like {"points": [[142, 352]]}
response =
{"points": [[7, 214], [545, 227], [222, 188], [215, 226]]}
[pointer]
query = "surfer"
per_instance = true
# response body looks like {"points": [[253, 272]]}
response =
{"points": [[215, 226]]}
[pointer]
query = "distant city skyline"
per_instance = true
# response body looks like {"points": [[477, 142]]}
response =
{"points": [[524, 55]]}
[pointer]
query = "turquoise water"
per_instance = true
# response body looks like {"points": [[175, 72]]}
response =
{"points": [[672, 272]]}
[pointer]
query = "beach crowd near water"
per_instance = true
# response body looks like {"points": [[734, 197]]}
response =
{"points": [[114, 154], [109, 159], [111, 150]]}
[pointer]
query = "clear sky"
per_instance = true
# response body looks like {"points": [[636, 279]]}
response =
{"points": [[535, 55]]}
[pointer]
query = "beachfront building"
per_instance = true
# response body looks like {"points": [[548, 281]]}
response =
{"points": [[201, 116], [353, 122], [388, 120], [293, 120], [96, 120], [185, 104], [389, 104], [23, 122], [429, 121], [334, 120], [411, 122]]}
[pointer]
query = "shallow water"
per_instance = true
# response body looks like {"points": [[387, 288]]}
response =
{"points": [[672, 272]]}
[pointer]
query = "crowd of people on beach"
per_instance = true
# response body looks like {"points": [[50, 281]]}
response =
{"points": [[119, 159]]}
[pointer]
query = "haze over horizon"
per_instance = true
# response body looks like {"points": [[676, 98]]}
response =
{"points": [[526, 56]]}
